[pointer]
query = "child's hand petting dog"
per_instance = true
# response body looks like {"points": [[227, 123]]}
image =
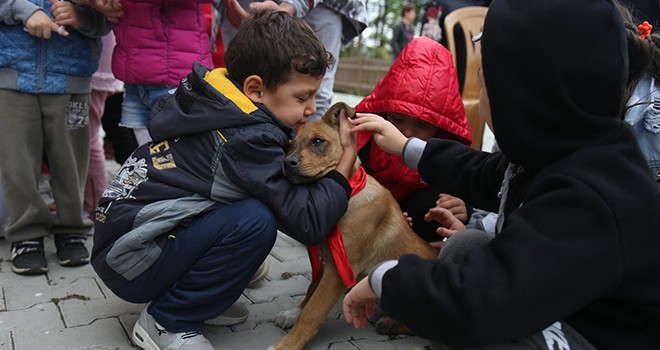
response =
{"points": [[454, 204], [451, 224], [386, 135]]}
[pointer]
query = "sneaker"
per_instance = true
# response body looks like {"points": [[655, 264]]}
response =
{"points": [[237, 313], [261, 273], [27, 257], [150, 335], [71, 250]]}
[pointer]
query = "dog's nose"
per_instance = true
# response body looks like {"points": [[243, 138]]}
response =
{"points": [[292, 162]]}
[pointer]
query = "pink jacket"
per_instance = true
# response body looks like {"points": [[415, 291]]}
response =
{"points": [[158, 41]]}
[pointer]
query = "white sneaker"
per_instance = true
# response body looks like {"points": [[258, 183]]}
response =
{"points": [[150, 335]]}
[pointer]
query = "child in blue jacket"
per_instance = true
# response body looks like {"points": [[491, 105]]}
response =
{"points": [[47, 57]]}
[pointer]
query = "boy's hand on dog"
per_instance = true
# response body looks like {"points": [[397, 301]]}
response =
{"points": [[348, 144], [454, 204], [451, 224], [408, 219], [386, 135], [358, 304]]}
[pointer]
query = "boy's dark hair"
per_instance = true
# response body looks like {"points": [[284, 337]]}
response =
{"points": [[272, 45], [407, 7], [643, 54]]}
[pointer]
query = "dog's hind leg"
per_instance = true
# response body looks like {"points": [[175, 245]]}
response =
{"points": [[322, 300]]}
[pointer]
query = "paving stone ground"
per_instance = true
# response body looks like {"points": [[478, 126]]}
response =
{"points": [[69, 308]]}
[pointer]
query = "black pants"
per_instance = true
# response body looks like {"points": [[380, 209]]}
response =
{"points": [[122, 139]]}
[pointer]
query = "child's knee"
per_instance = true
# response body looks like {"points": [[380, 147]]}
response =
{"points": [[261, 219]]}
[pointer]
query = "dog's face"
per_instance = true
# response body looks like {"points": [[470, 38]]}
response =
{"points": [[316, 149]]}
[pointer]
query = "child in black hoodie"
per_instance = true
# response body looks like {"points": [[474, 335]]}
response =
{"points": [[575, 257]]}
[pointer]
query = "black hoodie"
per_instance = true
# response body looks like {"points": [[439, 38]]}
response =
{"points": [[581, 234]]}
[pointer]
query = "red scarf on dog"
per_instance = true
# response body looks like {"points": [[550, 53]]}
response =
{"points": [[335, 241]]}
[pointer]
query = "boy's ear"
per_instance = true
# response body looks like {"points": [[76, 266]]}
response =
{"points": [[254, 88]]}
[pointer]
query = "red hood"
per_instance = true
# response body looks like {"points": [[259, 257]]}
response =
{"points": [[422, 83]]}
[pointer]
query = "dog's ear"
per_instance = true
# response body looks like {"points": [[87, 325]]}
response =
{"points": [[331, 116]]}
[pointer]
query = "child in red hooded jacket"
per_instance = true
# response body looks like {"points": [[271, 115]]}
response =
{"points": [[419, 95]]}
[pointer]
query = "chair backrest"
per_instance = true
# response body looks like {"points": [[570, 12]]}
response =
{"points": [[471, 21]]}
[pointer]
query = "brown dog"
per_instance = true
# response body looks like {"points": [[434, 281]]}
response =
{"points": [[373, 228]]}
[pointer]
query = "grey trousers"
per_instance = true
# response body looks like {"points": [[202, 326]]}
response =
{"points": [[32, 125], [558, 336]]}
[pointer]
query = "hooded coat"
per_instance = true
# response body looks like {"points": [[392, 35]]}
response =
{"points": [[212, 146], [421, 83], [580, 233]]}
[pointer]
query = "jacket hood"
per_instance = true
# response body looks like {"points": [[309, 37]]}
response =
{"points": [[554, 72], [207, 100], [422, 83]]}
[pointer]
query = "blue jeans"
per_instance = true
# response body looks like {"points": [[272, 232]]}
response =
{"points": [[139, 100], [205, 265]]}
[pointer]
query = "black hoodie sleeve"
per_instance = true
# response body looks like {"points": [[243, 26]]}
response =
{"points": [[542, 267], [474, 176], [307, 212]]}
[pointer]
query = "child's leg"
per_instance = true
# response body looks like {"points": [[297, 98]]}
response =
{"points": [[138, 101], [461, 243], [21, 155], [121, 138], [97, 179], [205, 265], [66, 137], [559, 335], [328, 25]]}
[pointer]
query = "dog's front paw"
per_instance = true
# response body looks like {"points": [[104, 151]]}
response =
{"points": [[286, 319]]}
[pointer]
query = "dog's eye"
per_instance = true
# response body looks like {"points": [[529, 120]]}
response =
{"points": [[317, 141]]}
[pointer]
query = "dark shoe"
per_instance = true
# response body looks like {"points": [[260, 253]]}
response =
{"points": [[237, 313], [27, 257], [71, 250], [390, 326]]}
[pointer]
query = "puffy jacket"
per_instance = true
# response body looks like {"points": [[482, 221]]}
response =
{"points": [[421, 83], [158, 41], [57, 65]]}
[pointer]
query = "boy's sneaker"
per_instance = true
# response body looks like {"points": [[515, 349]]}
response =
{"points": [[27, 257], [150, 335], [261, 273], [237, 313], [71, 250]]}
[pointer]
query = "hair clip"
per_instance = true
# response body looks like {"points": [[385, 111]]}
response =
{"points": [[644, 30]]}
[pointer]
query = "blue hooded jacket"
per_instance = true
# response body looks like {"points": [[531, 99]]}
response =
{"points": [[57, 65]]}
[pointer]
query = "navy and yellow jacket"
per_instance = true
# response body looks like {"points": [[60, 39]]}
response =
{"points": [[211, 146]]}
